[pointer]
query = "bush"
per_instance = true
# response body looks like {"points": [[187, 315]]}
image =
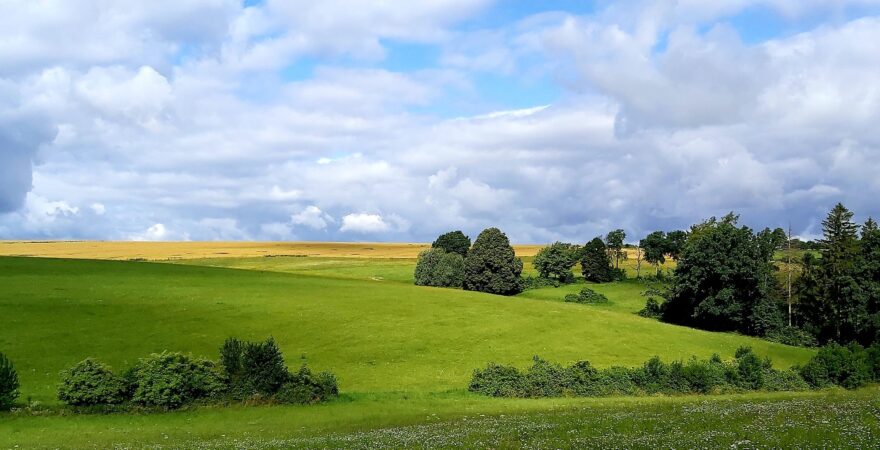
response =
{"points": [[539, 282], [784, 380], [792, 336], [453, 242], [847, 367], [586, 295], [8, 383], [749, 369], [264, 371], [544, 379], [703, 376], [653, 309], [304, 388], [497, 380], [91, 383], [492, 266], [438, 268], [171, 380]]}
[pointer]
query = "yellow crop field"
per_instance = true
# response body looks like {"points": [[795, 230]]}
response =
{"points": [[157, 251]]}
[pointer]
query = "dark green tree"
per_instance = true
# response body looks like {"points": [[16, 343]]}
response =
{"points": [[870, 279], [614, 241], [832, 300], [437, 267], [492, 266], [675, 242], [595, 262], [8, 383], [655, 246], [555, 261], [453, 242], [723, 280]]}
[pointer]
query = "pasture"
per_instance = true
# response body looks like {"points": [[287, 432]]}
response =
{"points": [[403, 354]]}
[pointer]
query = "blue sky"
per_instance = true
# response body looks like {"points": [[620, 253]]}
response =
{"points": [[348, 120]]}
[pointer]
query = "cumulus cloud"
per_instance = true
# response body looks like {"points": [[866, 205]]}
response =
{"points": [[312, 217], [363, 223]]}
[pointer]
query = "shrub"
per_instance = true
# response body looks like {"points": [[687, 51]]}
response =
{"points": [[231, 356], [171, 380], [305, 388], [872, 355], [498, 381], [703, 376], [653, 309], [453, 242], [749, 369], [616, 381], [8, 383], [492, 266], [544, 379], [784, 380], [792, 336], [586, 295], [555, 262], [834, 364], [539, 282], [581, 379], [438, 268], [91, 383], [264, 371]]}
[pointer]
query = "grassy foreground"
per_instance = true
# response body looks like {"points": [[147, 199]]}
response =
{"points": [[834, 419]]}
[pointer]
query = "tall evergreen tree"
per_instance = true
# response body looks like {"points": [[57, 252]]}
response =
{"points": [[832, 299]]}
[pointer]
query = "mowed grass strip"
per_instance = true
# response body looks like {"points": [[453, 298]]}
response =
{"points": [[376, 336]]}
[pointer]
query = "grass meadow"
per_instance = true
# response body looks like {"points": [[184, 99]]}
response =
{"points": [[403, 355]]}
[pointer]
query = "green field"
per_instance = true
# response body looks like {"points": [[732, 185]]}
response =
{"points": [[403, 354]]}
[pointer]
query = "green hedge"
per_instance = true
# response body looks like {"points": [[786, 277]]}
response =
{"points": [[848, 367]]}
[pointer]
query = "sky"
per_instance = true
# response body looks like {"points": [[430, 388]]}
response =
{"points": [[345, 120]]}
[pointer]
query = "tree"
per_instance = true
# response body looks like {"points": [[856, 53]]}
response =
{"points": [[555, 262], [8, 383], [595, 262], [492, 266], [869, 273], [453, 242], [723, 280], [832, 300], [675, 242], [439, 268], [614, 240], [655, 247]]}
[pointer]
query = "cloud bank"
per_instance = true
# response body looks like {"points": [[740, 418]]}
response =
{"points": [[205, 119]]}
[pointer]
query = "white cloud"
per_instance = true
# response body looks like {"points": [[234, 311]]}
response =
{"points": [[155, 232], [312, 217], [363, 223], [98, 208]]}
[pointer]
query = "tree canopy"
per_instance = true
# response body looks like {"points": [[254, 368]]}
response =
{"points": [[492, 266], [595, 262], [453, 242], [555, 261]]}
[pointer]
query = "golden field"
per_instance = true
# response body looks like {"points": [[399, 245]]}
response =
{"points": [[158, 251]]}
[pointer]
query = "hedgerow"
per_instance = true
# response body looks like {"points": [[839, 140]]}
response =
{"points": [[247, 371], [840, 366]]}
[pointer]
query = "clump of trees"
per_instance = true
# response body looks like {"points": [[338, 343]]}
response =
{"points": [[8, 383], [492, 266], [724, 281], [833, 366], [247, 370], [555, 261], [437, 267], [839, 292]]}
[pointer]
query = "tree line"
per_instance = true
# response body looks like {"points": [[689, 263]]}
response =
{"points": [[725, 277]]}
